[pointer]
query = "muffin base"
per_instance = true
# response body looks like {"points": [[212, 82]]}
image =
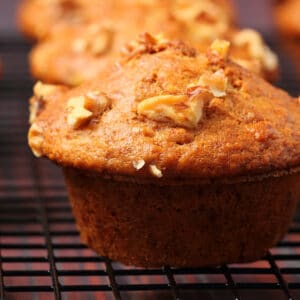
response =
{"points": [[182, 225]]}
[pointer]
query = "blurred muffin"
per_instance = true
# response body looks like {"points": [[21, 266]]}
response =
{"points": [[37, 18], [174, 157], [72, 55], [286, 17]]}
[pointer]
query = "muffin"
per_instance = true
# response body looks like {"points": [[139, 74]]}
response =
{"points": [[174, 157], [37, 18], [72, 55], [286, 17]]}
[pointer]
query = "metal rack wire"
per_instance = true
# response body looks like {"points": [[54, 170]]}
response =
{"points": [[41, 256]]}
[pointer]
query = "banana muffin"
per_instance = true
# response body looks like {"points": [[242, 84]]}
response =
{"points": [[286, 17], [72, 55], [174, 157], [37, 18]]}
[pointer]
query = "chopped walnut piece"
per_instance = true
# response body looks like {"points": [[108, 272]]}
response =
{"points": [[204, 20], [257, 48], [35, 138], [220, 48], [138, 165], [81, 109], [146, 43], [97, 40], [101, 43], [35, 107], [78, 112], [216, 82], [155, 171], [42, 90], [182, 110], [100, 102]]}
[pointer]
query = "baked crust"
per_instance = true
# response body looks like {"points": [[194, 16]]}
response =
{"points": [[253, 128], [183, 225]]}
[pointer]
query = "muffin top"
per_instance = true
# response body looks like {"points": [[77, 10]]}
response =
{"points": [[166, 112], [72, 55], [37, 18], [287, 14]]}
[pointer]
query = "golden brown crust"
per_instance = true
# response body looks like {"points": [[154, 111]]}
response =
{"points": [[193, 225], [286, 17], [248, 128]]}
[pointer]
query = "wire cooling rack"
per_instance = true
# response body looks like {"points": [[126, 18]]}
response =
{"points": [[41, 256]]}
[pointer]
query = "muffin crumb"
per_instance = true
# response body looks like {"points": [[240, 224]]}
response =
{"points": [[97, 41], [138, 165], [35, 107], [155, 171], [146, 43]]}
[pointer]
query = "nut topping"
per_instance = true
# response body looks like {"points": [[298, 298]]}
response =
{"points": [[81, 109], [182, 110], [204, 19], [35, 138], [78, 112], [216, 82], [220, 48], [42, 90], [138, 165], [155, 171], [257, 48]]}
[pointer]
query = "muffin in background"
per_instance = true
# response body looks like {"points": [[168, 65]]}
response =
{"points": [[72, 55], [174, 147], [38, 18], [286, 17]]}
